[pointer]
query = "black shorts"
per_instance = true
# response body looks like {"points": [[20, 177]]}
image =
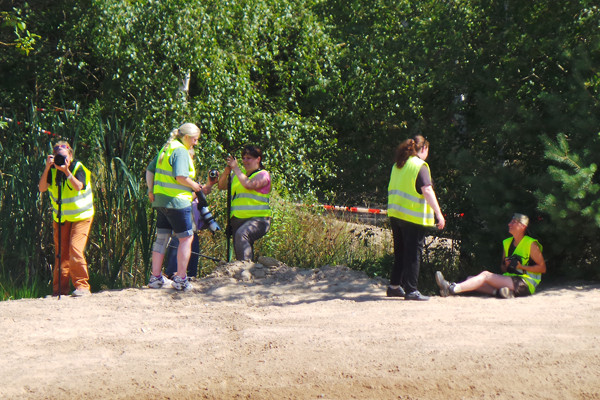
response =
{"points": [[521, 288]]}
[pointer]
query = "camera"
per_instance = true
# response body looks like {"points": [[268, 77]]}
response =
{"points": [[213, 173], [513, 261], [207, 218], [59, 160]]}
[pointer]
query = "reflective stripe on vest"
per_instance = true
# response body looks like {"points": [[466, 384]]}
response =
{"points": [[523, 250], [404, 202], [77, 205], [247, 203], [164, 182]]}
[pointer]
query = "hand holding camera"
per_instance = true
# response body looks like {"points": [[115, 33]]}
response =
{"points": [[58, 161], [512, 264], [213, 176], [231, 161]]}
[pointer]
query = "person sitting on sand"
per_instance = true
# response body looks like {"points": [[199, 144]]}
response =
{"points": [[522, 270]]}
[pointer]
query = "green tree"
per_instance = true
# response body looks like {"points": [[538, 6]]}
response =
{"points": [[23, 40]]}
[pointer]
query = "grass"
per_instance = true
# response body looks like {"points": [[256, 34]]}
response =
{"points": [[119, 249]]}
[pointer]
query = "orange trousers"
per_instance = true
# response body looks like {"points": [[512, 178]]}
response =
{"points": [[74, 237]]}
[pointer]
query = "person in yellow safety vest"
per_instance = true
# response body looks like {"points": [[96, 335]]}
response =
{"points": [[412, 206], [76, 215], [522, 266], [171, 187], [250, 210]]}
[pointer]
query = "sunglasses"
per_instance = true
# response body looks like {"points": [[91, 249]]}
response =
{"points": [[61, 146]]}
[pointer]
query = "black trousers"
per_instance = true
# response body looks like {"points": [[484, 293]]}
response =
{"points": [[408, 246]]}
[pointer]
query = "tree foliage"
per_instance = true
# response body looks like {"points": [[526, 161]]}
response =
{"points": [[507, 92]]}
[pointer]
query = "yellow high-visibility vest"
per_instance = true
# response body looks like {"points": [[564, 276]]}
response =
{"points": [[523, 250], [247, 203], [77, 205], [164, 182], [404, 202]]}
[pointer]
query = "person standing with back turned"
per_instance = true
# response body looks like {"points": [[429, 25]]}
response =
{"points": [[412, 206]]}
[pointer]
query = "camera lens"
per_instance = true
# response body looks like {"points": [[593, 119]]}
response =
{"points": [[213, 173], [59, 160]]}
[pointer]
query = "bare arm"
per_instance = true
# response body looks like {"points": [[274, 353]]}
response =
{"points": [[77, 185], [43, 185], [189, 182], [535, 254], [429, 195], [223, 177], [150, 184], [259, 181]]}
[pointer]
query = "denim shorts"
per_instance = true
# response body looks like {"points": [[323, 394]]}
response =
{"points": [[178, 220]]}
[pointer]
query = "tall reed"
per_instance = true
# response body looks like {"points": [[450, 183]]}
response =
{"points": [[121, 240], [26, 248]]}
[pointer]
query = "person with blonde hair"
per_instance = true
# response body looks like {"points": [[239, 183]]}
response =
{"points": [[412, 206], [69, 184], [171, 187], [522, 267]]}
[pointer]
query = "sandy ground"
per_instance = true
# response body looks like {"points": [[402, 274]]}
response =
{"points": [[273, 332]]}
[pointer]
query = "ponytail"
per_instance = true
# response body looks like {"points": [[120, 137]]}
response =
{"points": [[172, 136], [405, 150], [176, 134], [409, 148]]}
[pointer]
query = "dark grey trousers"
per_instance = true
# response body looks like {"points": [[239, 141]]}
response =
{"points": [[245, 232]]}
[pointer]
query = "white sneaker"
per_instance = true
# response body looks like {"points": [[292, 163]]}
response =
{"points": [[505, 293], [156, 282], [181, 284], [81, 292]]}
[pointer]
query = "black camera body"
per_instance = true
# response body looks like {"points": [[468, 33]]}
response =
{"points": [[60, 160], [513, 261]]}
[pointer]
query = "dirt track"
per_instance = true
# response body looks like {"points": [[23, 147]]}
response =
{"points": [[301, 335]]}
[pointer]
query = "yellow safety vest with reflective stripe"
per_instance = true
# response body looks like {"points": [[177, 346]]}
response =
{"points": [[247, 203], [524, 250], [404, 202], [77, 205], [164, 182]]}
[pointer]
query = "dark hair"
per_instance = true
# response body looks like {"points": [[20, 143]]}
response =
{"points": [[253, 151], [408, 148]]}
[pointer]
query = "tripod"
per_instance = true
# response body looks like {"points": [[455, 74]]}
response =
{"points": [[59, 182], [228, 229]]}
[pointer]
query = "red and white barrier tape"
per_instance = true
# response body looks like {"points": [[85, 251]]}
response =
{"points": [[364, 210], [38, 129], [359, 210]]}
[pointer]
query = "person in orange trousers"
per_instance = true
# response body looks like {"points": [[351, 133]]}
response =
{"points": [[73, 179]]}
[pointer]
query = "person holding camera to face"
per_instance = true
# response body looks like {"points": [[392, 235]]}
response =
{"points": [[69, 184], [171, 186], [522, 266], [250, 216]]}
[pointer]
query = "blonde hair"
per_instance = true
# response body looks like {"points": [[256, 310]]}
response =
{"points": [[187, 129], [63, 143]]}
